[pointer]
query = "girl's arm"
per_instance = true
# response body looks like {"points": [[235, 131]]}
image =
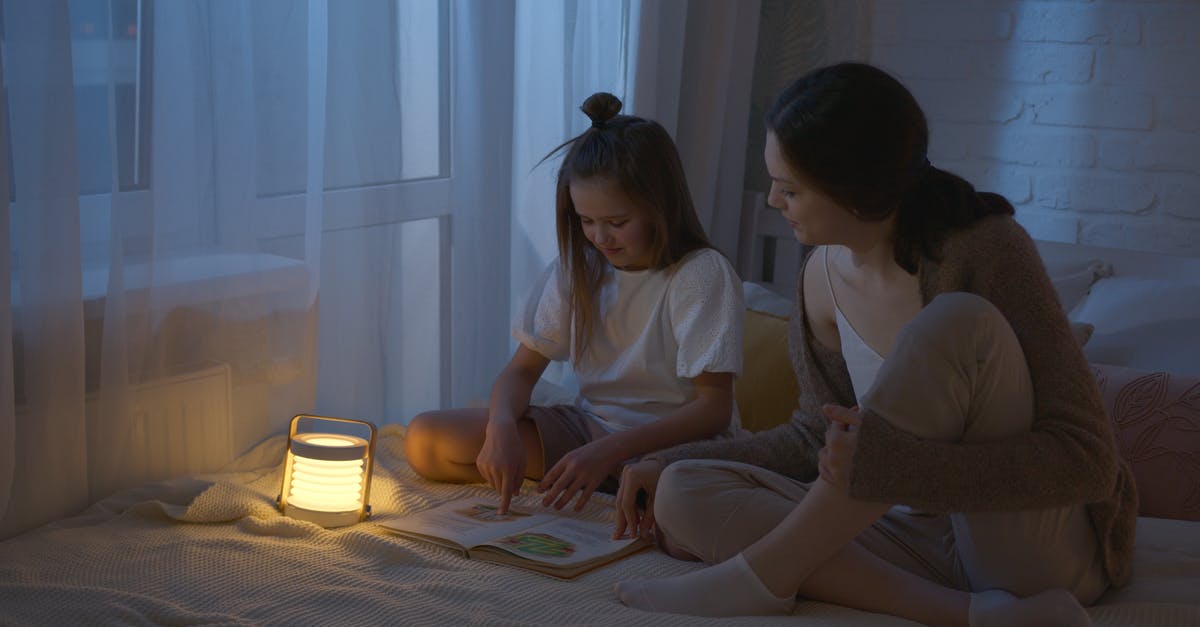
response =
{"points": [[501, 461], [513, 387], [585, 468], [703, 417]]}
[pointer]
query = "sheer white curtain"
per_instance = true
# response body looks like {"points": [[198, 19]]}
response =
{"points": [[46, 313], [692, 65], [156, 328], [565, 51], [7, 402], [191, 181]]}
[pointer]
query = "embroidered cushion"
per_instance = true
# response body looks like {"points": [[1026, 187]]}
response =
{"points": [[1156, 420]]}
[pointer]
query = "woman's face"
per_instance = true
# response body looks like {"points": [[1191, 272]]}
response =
{"points": [[617, 225], [815, 218]]}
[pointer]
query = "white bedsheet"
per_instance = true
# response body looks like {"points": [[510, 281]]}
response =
{"points": [[213, 549]]}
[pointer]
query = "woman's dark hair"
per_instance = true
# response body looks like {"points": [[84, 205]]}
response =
{"points": [[858, 135], [639, 157]]}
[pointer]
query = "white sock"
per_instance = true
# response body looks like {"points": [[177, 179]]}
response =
{"points": [[1052, 608], [730, 588]]}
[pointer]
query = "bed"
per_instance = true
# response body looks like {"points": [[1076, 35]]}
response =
{"points": [[214, 549]]}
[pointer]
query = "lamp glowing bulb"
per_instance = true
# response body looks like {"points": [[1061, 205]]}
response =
{"points": [[327, 476]]}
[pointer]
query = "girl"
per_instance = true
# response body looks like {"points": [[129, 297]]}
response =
{"points": [[937, 371], [649, 314]]}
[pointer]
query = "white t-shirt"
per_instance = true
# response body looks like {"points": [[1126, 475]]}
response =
{"points": [[657, 330]]}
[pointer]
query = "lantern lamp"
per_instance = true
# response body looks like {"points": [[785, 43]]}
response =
{"points": [[327, 472]]}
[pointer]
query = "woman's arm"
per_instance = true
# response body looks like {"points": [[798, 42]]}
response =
{"points": [[1067, 457], [788, 449]]}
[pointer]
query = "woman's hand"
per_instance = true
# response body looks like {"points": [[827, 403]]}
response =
{"points": [[642, 475], [579, 472], [836, 459], [501, 461]]}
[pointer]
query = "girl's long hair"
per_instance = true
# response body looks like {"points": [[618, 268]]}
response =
{"points": [[860, 137], [638, 156]]}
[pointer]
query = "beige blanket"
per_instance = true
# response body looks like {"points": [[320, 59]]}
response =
{"points": [[213, 549]]}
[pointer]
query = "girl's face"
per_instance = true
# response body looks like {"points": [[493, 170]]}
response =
{"points": [[617, 225], [815, 218]]}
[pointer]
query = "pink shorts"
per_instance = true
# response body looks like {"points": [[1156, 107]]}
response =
{"points": [[563, 428]]}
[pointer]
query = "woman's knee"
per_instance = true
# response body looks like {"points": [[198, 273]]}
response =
{"points": [[681, 502], [957, 371], [711, 509], [668, 545], [670, 500], [958, 320]]}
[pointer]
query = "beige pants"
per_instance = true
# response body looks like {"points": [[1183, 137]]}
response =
{"points": [[957, 374]]}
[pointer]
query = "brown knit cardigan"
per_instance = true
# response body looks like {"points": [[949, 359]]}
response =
{"points": [[1069, 456]]}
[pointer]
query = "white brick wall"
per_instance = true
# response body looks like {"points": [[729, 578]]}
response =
{"points": [[1085, 114]]}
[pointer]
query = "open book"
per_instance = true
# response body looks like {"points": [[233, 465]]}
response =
{"points": [[545, 541]]}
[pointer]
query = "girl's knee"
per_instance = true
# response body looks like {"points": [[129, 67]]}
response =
{"points": [[419, 439], [419, 430]]}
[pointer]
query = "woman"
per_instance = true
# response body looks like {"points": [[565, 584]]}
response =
{"points": [[950, 461]]}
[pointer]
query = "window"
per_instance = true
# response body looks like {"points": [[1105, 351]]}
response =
{"points": [[104, 33], [110, 64], [387, 94], [110, 55], [387, 109], [385, 187]]}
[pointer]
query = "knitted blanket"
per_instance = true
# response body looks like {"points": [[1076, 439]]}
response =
{"points": [[214, 549]]}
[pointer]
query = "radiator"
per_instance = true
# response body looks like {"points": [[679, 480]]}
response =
{"points": [[184, 421]]}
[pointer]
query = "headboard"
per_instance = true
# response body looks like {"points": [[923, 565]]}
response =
{"points": [[770, 254]]}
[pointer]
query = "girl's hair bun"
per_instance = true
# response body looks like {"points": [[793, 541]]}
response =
{"points": [[601, 107]]}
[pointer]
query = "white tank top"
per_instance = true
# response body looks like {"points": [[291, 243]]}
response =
{"points": [[861, 360]]}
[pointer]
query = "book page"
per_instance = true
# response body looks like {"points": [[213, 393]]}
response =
{"points": [[563, 542], [468, 522]]}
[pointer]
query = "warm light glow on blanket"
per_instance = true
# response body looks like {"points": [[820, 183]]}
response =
{"points": [[327, 476]]}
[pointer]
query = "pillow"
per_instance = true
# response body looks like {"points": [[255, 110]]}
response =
{"points": [[1072, 280], [767, 392], [1082, 331], [1124, 303], [1156, 421], [1146, 324], [1169, 346]]}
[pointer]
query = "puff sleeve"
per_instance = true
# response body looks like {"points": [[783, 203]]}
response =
{"points": [[707, 313], [543, 323]]}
